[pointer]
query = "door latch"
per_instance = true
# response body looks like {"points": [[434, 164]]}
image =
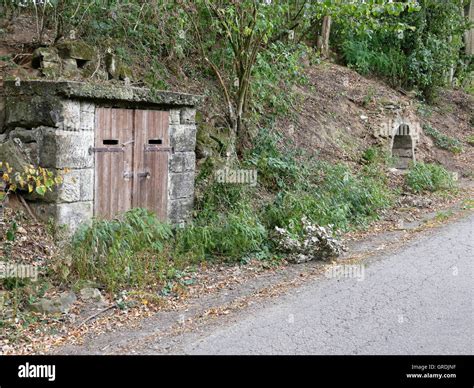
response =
{"points": [[144, 175]]}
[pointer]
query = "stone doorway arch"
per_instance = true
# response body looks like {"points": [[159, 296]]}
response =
{"points": [[403, 146]]}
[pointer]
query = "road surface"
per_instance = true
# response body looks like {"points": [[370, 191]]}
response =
{"points": [[416, 301]]}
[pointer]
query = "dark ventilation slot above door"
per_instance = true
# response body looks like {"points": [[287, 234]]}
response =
{"points": [[403, 130], [110, 142], [155, 141]]}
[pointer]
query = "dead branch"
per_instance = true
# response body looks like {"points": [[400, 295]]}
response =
{"points": [[97, 314], [27, 207]]}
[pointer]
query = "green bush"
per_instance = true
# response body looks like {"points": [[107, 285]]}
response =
{"points": [[423, 177], [368, 58], [276, 170], [276, 70], [420, 57], [470, 140], [375, 157]]}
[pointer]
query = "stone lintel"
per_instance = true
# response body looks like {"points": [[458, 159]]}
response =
{"points": [[101, 92]]}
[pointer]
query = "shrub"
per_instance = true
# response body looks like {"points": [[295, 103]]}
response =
{"points": [[276, 170], [470, 140], [219, 198], [418, 57], [428, 177], [367, 58], [32, 179], [276, 70], [373, 156]]}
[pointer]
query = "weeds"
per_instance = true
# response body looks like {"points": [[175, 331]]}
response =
{"points": [[424, 177], [470, 140], [226, 236], [443, 141], [128, 251]]}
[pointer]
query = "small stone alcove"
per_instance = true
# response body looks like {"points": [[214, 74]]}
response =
{"points": [[124, 146], [403, 145]]}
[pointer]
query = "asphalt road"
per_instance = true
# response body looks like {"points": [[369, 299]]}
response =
{"points": [[416, 301]]}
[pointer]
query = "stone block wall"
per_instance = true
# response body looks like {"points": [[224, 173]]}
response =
{"points": [[182, 162], [54, 124], [58, 138]]}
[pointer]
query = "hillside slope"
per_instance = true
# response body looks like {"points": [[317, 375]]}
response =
{"points": [[340, 113]]}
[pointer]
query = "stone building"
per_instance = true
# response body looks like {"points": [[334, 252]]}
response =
{"points": [[124, 146]]}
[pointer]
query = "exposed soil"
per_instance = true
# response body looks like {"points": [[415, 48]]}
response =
{"points": [[338, 114]]}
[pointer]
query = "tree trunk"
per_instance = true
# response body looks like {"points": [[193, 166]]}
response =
{"points": [[450, 76], [323, 39], [469, 35]]}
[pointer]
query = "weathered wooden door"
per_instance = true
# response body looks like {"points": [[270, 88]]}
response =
{"points": [[113, 161], [131, 161], [152, 146]]}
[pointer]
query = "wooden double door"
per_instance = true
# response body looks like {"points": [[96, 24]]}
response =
{"points": [[131, 154]]}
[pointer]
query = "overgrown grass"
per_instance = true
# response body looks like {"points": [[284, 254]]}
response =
{"points": [[470, 140], [224, 236], [323, 192], [127, 251], [341, 198], [424, 177], [136, 250]]}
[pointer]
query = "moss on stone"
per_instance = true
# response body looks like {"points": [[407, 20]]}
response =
{"points": [[32, 111], [124, 71], [45, 54], [77, 50], [92, 91], [210, 141]]}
